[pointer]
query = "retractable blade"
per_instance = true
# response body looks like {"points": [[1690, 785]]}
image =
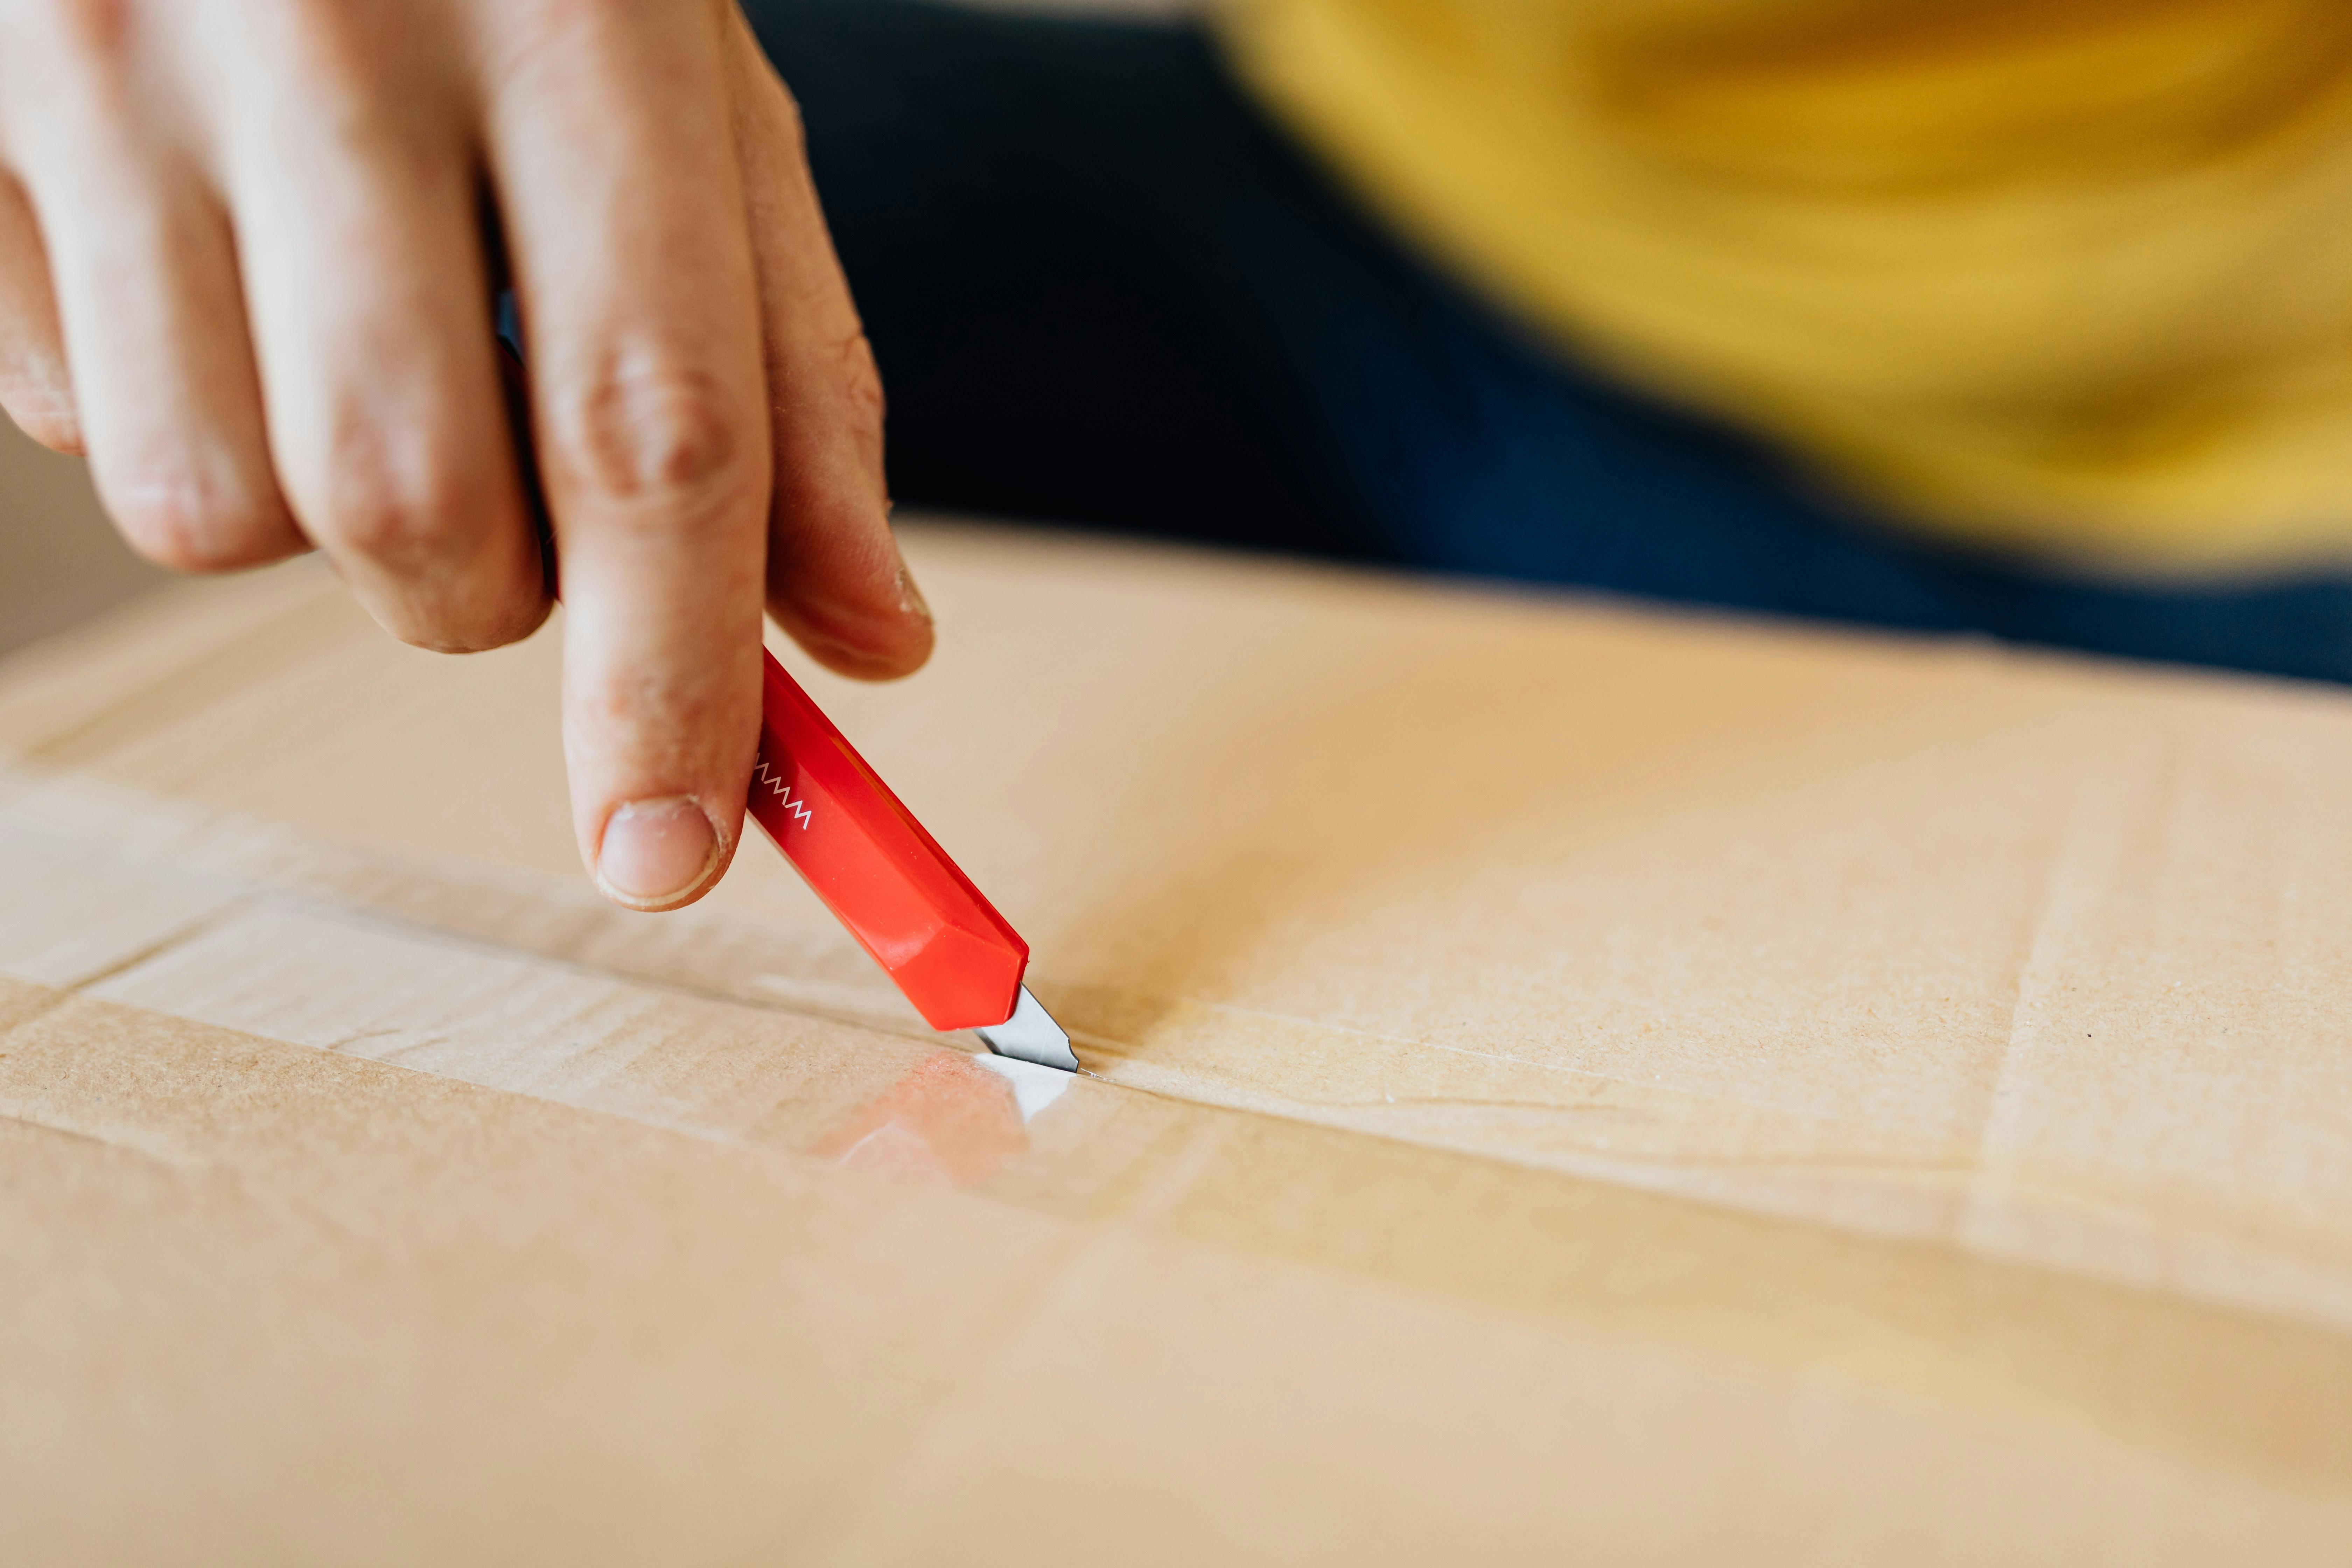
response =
{"points": [[889, 883]]}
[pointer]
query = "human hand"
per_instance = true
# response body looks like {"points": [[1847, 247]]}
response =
{"points": [[246, 254]]}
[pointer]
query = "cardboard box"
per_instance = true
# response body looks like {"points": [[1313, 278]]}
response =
{"points": [[1569, 1084]]}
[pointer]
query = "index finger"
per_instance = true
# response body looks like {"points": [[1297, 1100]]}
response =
{"points": [[610, 145]]}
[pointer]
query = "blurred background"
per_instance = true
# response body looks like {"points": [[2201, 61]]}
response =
{"points": [[2021, 318], [60, 561]]}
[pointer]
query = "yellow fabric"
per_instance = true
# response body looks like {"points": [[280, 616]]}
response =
{"points": [[2068, 276]]}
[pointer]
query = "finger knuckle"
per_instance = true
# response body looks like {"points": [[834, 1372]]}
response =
{"points": [[58, 430], [790, 129], [400, 521], [189, 528], [93, 31], [480, 633], [861, 380], [342, 54], [48, 418], [666, 435], [508, 625], [653, 707]]}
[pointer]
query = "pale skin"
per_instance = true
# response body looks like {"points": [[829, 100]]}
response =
{"points": [[245, 267]]}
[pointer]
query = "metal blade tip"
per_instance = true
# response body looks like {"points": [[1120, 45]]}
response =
{"points": [[1031, 1035]]}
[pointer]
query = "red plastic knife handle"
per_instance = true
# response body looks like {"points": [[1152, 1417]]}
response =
{"points": [[958, 961]]}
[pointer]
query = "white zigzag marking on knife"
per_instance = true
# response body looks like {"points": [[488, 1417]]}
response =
{"points": [[765, 774]]}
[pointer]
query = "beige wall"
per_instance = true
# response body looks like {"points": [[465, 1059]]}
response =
{"points": [[60, 563]]}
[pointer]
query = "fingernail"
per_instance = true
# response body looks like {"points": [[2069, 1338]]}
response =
{"points": [[656, 852], [910, 598]]}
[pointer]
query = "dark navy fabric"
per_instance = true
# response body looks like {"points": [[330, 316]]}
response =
{"points": [[1104, 289]]}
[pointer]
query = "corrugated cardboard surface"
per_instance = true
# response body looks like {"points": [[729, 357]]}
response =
{"points": [[1571, 1085]]}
